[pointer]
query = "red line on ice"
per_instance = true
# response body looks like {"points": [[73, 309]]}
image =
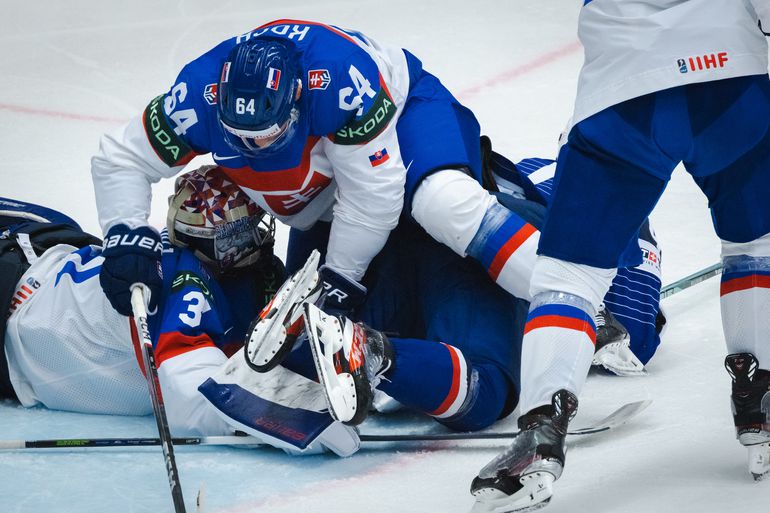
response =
{"points": [[499, 79], [512, 74], [56, 114], [339, 484]]}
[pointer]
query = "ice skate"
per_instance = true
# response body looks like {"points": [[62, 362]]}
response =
{"points": [[521, 478], [350, 359], [751, 410], [613, 346], [273, 333]]}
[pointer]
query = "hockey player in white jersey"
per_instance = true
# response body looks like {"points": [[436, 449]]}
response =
{"points": [[664, 82]]}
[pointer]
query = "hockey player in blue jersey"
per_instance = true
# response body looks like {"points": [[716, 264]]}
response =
{"points": [[663, 82], [315, 123], [419, 291]]}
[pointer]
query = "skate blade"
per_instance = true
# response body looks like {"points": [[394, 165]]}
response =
{"points": [[617, 358], [535, 494], [269, 340], [325, 339]]}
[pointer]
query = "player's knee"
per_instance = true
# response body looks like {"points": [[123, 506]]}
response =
{"points": [[450, 205], [487, 397], [756, 248], [583, 281]]}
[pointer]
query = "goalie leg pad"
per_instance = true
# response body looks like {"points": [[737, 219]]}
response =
{"points": [[281, 408]]}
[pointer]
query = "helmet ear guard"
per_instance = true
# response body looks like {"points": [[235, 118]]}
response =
{"points": [[215, 219]]}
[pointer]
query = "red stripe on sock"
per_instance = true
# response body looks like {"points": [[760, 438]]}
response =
{"points": [[745, 282], [455, 388], [557, 321], [509, 248]]}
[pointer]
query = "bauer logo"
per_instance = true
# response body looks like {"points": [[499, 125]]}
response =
{"points": [[210, 94], [318, 79], [709, 61]]}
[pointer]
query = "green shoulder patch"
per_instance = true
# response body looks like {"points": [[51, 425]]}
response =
{"points": [[185, 278], [169, 147], [368, 126]]}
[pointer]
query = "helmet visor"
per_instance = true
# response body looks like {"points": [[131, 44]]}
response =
{"points": [[261, 142]]}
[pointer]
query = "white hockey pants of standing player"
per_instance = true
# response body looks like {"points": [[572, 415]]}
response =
{"points": [[560, 335], [745, 298], [456, 210]]}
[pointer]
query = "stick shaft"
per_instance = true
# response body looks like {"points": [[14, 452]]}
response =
{"points": [[153, 385]]}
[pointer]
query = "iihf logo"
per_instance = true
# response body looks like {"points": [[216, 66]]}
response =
{"points": [[701, 62]]}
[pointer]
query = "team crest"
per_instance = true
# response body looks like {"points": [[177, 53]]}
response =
{"points": [[273, 79], [318, 79], [210, 94]]}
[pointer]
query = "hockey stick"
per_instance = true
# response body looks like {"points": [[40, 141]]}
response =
{"points": [[613, 420], [153, 384], [689, 281]]}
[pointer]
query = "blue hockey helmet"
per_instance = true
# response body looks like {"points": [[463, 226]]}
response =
{"points": [[258, 96]]}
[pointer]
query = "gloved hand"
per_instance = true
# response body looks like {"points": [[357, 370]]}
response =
{"points": [[131, 256], [341, 295]]}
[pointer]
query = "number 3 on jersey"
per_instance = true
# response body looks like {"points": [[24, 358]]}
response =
{"points": [[197, 306]]}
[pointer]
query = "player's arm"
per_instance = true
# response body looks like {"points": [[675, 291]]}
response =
{"points": [[154, 145], [187, 349], [368, 168]]}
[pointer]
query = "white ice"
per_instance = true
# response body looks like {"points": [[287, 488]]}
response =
{"points": [[71, 70]]}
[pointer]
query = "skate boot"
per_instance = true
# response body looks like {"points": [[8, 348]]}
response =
{"points": [[279, 325], [751, 410], [613, 346], [521, 478], [350, 359]]}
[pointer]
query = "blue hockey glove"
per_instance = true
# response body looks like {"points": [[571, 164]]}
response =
{"points": [[341, 295], [131, 256]]}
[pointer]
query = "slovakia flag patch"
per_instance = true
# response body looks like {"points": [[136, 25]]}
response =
{"points": [[273, 79], [379, 157]]}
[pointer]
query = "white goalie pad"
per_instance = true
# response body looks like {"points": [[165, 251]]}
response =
{"points": [[273, 333], [617, 358], [326, 337], [281, 408]]}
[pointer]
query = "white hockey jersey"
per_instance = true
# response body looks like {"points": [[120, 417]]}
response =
{"points": [[633, 47], [67, 348]]}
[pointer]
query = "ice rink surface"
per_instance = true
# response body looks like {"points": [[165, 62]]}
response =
{"points": [[73, 70]]}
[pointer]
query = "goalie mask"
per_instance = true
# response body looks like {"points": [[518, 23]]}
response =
{"points": [[215, 219]]}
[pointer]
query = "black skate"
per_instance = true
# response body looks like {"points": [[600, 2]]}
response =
{"points": [[350, 359], [613, 346], [751, 409], [521, 478]]}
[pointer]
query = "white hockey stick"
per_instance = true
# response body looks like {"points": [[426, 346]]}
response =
{"points": [[153, 384]]}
